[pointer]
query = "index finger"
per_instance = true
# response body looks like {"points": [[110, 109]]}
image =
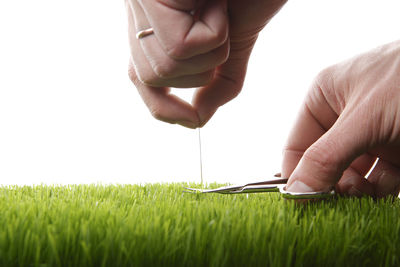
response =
{"points": [[314, 119], [323, 147], [183, 34], [306, 131]]}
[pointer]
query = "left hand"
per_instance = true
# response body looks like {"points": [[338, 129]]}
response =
{"points": [[193, 50]]}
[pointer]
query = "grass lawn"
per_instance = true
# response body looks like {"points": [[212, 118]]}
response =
{"points": [[159, 225]]}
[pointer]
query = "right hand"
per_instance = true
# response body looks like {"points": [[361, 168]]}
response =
{"points": [[208, 49], [350, 118]]}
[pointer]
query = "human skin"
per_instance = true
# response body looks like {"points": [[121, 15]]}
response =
{"points": [[350, 117], [207, 49]]}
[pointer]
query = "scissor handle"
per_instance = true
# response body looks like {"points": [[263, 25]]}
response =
{"points": [[306, 195]]}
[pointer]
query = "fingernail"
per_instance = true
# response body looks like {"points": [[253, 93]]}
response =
{"points": [[300, 187]]}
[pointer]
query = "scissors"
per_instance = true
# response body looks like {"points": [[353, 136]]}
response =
{"points": [[277, 184]]}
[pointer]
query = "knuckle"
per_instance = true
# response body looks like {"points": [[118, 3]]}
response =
{"points": [[146, 79], [198, 80], [157, 112], [236, 91], [323, 156], [324, 78], [138, 76], [164, 69], [222, 54], [226, 53], [218, 37], [183, 49], [179, 4], [288, 149], [210, 77], [323, 87], [222, 35], [132, 74], [177, 50], [206, 78]]}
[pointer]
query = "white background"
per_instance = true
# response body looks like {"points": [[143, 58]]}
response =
{"points": [[69, 114]]}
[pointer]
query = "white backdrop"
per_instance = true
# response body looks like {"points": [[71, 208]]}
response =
{"points": [[69, 114]]}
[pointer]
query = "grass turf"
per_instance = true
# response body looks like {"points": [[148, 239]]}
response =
{"points": [[159, 225]]}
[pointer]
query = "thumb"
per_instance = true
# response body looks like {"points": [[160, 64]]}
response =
{"points": [[227, 83], [209, 98], [323, 163]]}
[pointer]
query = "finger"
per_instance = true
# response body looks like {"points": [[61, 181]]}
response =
{"points": [[324, 162], [162, 105], [356, 173], [180, 33], [315, 118], [385, 177], [227, 83], [353, 181], [363, 164], [166, 67], [326, 154], [354, 184], [145, 71], [219, 91], [306, 131]]}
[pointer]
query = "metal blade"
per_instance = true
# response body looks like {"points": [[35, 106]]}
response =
{"points": [[258, 189]]}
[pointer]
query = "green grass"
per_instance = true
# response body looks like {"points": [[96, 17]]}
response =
{"points": [[159, 225]]}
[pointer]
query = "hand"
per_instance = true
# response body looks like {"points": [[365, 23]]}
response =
{"points": [[350, 118], [197, 43]]}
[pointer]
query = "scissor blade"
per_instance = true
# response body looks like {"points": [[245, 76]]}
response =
{"points": [[269, 185], [222, 190], [273, 181], [258, 189]]}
